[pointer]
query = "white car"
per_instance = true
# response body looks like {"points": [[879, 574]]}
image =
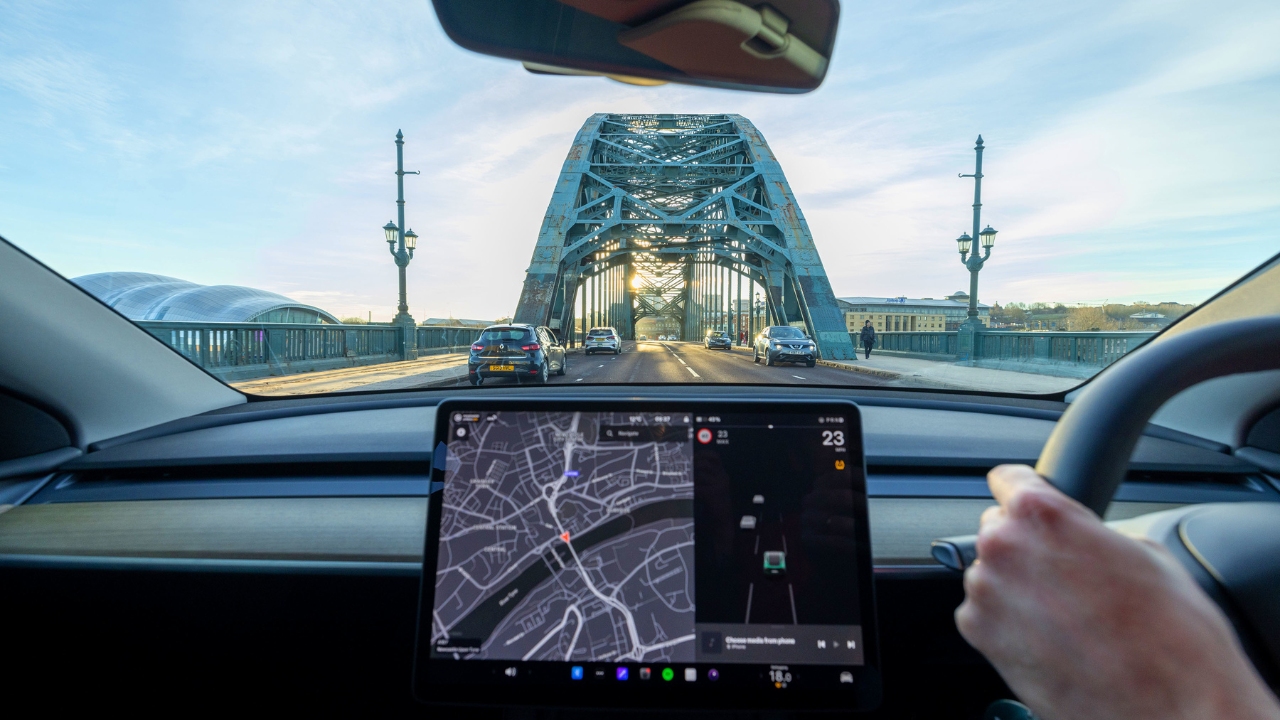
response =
{"points": [[602, 339]]}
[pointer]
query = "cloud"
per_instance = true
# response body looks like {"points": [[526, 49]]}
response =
{"points": [[1130, 148]]}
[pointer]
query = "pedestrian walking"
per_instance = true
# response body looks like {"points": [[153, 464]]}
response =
{"points": [[868, 337]]}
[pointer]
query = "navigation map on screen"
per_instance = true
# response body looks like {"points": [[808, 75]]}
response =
{"points": [[567, 536]]}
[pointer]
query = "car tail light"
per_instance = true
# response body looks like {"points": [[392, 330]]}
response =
{"points": [[613, 337], [477, 347], [531, 348]]}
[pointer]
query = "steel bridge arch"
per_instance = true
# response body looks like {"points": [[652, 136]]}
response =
{"points": [[673, 216]]}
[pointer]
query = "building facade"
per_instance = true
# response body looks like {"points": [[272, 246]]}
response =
{"points": [[903, 314]]}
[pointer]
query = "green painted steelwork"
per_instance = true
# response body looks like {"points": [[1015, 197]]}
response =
{"points": [[682, 217]]}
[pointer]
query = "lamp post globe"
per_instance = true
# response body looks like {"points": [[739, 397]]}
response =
{"points": [[988, 237], [964, 242], [411, 240], [392, 232]]}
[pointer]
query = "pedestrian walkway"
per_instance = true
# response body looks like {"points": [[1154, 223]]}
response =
{"points": [[425, 372], [914, 372]]}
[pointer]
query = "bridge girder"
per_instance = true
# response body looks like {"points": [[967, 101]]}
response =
{"points": [[697, 201]]}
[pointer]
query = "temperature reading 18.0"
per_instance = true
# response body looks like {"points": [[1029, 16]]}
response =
{"points": [[833, 438]]}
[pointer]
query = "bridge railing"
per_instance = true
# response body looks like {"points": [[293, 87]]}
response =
{"points": [[438, 339], [1070, 353], [242, 351]]}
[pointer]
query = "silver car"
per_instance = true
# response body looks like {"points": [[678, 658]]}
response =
{"points": [[783, 343], [602, 339]]}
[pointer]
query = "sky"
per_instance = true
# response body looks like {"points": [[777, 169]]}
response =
{"points": [[1132, 147]]}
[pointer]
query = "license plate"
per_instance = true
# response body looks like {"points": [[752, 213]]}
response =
{"points": [[501, 368]]}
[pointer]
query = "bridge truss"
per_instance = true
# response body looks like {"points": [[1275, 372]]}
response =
{"points": [[686, 219]]}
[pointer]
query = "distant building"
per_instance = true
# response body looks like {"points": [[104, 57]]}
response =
{"points": [[143, 296], [457, 322], [910, 314], [1150, 319], [653, 326]]}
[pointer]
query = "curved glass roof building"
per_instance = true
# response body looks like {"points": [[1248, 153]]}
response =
{"points": [[143, 296]]}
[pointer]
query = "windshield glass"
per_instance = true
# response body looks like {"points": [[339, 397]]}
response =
{"points": [[785, 333], [228, 177], [501, 334]]}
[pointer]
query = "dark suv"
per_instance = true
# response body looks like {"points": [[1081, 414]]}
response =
{"points": [[524, 352], [717, 339]]}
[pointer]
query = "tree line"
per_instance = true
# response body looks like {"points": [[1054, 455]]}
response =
{"points": [[1108, 316]]}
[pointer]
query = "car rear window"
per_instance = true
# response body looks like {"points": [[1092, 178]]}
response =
{"points": [[600, 332], [504, 334]]}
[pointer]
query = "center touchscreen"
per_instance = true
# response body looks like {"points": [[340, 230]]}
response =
{"points": [[695, 556]]}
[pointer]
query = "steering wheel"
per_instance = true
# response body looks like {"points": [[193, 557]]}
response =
{"points": [[1232, 549]]}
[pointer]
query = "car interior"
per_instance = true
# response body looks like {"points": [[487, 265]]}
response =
{"points": [[169, 543]]}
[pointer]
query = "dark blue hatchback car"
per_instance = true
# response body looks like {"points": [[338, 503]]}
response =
{"points": [[518, 351]]}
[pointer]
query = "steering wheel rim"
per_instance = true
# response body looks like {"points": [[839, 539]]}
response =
{"points": [[1087, 454]]}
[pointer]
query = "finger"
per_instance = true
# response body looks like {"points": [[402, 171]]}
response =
{"points": [[1006, 481], [990, 516]]}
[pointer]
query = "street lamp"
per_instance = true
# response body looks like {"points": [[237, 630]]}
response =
{"points": [[987, 237], [401, 245]]}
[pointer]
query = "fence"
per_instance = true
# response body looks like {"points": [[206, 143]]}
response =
{"points": [[241, 351], [1069, 353], [435, 339]]}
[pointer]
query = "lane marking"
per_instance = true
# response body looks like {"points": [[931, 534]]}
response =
{"points": [[599, 366], [578, 380], [797, 377], [682, 362], [686, 367]]}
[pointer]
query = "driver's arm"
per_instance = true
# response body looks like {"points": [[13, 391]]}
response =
{"points": [[1087, 624]]}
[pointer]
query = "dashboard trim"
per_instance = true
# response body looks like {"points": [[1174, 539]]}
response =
{"points": [[223, 565], [69, 489]]}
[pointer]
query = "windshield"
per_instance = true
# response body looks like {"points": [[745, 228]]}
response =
{"points": [[497, 335], [229, 175]]}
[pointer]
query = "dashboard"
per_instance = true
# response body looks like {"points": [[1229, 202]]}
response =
{"points": [[283, 550]]}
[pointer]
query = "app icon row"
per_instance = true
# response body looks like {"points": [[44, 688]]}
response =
{"points": [[622, 672]]}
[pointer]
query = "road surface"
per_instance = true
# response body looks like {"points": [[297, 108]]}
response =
{"points": [[649, 361]]}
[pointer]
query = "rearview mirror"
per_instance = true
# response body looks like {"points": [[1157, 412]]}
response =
{"points": [[775, 46]]}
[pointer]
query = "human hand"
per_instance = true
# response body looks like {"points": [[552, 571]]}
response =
{"points": [[1084, 623]]}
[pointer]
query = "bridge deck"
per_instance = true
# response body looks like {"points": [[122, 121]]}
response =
{"points": [[672, 362]]}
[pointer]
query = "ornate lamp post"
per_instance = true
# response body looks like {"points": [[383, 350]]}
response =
{"points": [[972, 260], [402, 243]]}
